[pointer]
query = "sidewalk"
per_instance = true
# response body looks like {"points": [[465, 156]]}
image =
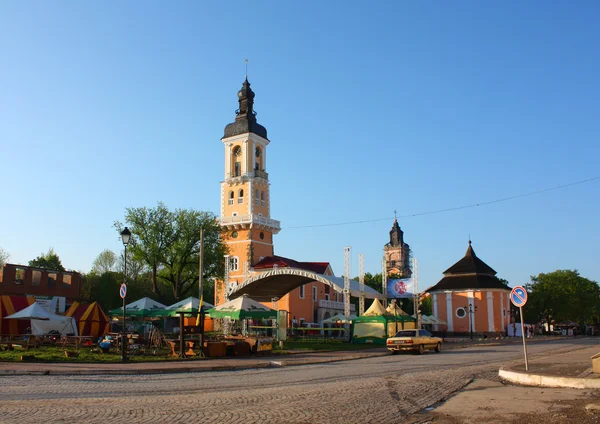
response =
{"points": [[572, 369], [226, 364]]}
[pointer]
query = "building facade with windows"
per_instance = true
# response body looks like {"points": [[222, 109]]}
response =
{"points": [[471, 299], [21, 280], [248, 229]]}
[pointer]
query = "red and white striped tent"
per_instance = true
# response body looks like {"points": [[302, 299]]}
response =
{"points": [[91, 319], [8, 306]]}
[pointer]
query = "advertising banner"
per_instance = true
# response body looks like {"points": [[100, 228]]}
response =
{"points": [[401, 288]]}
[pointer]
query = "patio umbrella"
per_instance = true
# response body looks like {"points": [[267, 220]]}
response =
{"points": [[188, 306], [143, 308], [338, 319], [242, 308]]}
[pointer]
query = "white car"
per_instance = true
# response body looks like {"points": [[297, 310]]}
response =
{"points": [[414, 340]]}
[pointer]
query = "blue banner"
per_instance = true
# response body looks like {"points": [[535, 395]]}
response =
{"points": [[400, 288]]}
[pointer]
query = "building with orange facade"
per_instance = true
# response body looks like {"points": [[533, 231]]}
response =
{"points": [[471, 299], [248, 228]]}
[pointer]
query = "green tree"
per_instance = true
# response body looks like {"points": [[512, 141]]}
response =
{"points": [[104, 262], [562, 295], [4, 257], [152, 231], [168, 243], [49, 260]]}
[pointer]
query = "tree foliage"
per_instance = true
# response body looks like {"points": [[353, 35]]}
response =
{"points": [[562, 295], [105, 262], [49, 261], [4, 257], [168, 243]]}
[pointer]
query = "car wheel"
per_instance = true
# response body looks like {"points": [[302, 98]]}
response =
{"points": [[438, 348], [421, 349]]}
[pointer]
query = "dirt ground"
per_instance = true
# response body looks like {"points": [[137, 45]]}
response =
{"points": [[491, 401]]}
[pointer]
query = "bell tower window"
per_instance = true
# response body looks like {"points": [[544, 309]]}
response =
{"points": [[262, 198], [241, 196], [230, 200], [237, 158]]}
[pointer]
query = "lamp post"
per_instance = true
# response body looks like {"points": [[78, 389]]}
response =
{"points": [[125, 235], [471, 311]]}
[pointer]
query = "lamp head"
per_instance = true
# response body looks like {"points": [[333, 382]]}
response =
{"points": [[125, 236]]}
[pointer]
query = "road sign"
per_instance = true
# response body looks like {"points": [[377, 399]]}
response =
{"points": [[518, 296], [123, 290]]}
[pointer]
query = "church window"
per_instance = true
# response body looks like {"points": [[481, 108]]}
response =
{"points": [[262, 198], [230, 200], [314, 292], [241, 196], [237, 169], [261, 235], [234, 263], [461, 312], [301, 292]]}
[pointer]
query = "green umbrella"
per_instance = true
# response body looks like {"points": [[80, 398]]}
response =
{"points": [[188, 306], [143, 308], [242, 308]]}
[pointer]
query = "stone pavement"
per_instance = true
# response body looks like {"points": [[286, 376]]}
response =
{"points": [[571, 369], [225, 364]]}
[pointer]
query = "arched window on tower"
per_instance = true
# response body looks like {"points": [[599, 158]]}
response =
{"points": [[262, 198], [230, 200], [237, 161], [241, 196]]}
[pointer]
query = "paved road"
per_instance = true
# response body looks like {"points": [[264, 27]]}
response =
{"points": [[383, 390]]}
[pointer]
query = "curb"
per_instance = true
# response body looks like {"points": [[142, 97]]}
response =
{"points": [[527, 379]]}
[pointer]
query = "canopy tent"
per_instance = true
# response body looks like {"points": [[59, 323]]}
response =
{"points": [[394, 309], [142, 308], [42, 321], [377, 324], [91, 319], [188, 306], [8, 306], [339, 319], [242, 308]]}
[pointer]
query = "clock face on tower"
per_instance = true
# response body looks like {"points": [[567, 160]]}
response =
{"points": [[237, 151]]}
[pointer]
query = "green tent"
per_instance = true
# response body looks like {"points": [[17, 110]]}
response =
{"points": [[376, 325], [242, 308]]}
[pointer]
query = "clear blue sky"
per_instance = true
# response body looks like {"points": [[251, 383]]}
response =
{"points": [[370, 107]]}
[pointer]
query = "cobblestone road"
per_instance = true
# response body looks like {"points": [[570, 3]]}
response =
{"points": [[382, 390]]}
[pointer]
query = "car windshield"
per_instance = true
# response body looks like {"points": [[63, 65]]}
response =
{"points": [[405, 334]]}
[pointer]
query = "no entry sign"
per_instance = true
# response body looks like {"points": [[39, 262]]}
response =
{"points": [[518, 296]]}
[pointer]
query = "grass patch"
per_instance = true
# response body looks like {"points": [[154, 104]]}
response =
{"points": [[83, 355]]}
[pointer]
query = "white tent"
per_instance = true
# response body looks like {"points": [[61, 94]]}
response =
{"points": [[42, 321]]}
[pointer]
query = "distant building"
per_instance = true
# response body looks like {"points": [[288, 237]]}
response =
{"points": [[397, 253], [470, 298], [62, 288]]}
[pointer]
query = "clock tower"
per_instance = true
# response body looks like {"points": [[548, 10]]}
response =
{"points": [[245, 200]]}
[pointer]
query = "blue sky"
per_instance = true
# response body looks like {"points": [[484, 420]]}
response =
{"points": [[370, 108]]}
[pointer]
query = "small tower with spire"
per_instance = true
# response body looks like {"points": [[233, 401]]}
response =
{"points": [[397, 253]]}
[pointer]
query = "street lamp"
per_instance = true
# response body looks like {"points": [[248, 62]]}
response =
{"points": [[470, 310], [125, 235]]}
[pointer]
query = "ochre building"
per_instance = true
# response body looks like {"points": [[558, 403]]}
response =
{"points": [[248, 228], [471, 299]]}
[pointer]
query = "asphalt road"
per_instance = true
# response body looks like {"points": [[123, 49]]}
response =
{"points": [[383, 389]]}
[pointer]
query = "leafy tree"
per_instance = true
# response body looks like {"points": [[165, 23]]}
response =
{"points": [[135, 268], [104, 262], [152, 231], [49, 260], [426, 305], [4, 257], [562, 295], [168, 243]]}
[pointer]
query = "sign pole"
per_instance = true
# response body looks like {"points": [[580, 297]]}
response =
{"points": [[518, 296], [524, 342]]}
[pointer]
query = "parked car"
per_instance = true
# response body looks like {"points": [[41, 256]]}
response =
{"points": [[414, 340]]}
